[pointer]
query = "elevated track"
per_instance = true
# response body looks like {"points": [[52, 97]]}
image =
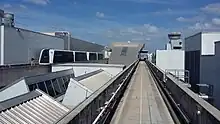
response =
{"points": [[143, 94]]}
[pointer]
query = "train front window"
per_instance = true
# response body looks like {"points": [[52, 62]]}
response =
{"points": [[45, 56], [63, 57], [80, 56], [92, 56]]}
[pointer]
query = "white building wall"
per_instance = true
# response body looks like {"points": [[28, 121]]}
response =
{"points": [[170, 59], [193, 43], [208, 43]]}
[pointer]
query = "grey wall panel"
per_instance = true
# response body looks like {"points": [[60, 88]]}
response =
{"points": [[0, 39], [22, 45], [207, 69], [192, 64], [193, 43], [209, 74], [216, 73], [40, 42], [210, 70], [16, 46], [80, 45], [131, 54]]}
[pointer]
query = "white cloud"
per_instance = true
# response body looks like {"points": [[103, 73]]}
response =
{"points": [[175, 12], [22, 6], [151, 28], [201, 26], [133, 31], [216, 21], [100, 15], [155, 1], [212, 8], [181, 19], [192, 19], [7, 5], [38, 2], [140, 33]]}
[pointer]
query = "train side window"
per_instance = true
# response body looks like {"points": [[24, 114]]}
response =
{"points": [[80, 56], [63, 57], [100, 56], [92, 56]]}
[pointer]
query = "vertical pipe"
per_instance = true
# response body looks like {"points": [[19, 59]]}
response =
{"points": [[68, 41], [2, 45]]}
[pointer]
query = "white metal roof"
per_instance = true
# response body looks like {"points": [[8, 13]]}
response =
{"points": [[31, 108], [96, 81], [75, 94]]}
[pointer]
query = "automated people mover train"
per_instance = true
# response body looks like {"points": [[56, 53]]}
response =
{"points": [[55, 56]]}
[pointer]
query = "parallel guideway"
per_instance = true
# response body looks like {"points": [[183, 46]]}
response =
{"points": [[142, 102]]}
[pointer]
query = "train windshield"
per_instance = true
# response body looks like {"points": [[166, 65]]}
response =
{"points": [[100, 56], [44, 56], [92, 56], [80, 56], [63, 57]]}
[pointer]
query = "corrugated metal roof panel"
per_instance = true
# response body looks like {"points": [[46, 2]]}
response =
{"points": [[38, 109]]}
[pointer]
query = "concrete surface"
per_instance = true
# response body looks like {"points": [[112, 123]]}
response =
{"points": [[142, 102]]}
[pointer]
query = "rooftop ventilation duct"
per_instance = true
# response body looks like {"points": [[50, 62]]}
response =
{"points": [[9, 19], [1, 16]]}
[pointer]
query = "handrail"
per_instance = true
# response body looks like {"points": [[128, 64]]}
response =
{"points": [[111, 99]]}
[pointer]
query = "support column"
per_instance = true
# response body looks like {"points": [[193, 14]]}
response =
{"points": [[2, 45]]}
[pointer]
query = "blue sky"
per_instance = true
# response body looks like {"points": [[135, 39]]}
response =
{"points": [[106, 21]]}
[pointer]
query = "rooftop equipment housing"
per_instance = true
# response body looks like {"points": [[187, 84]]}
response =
{"points": [[1, 16], [175, 41], [9, 19]]}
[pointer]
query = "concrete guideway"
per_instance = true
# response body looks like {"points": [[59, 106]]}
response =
{"points": [[142, 102]]}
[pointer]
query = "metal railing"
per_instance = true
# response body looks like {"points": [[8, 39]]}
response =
{"points": [[181, 74], [99, 107], [190, 107]]}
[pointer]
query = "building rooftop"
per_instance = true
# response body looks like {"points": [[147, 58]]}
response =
{"points": [[31, 108], [54, 84]]}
